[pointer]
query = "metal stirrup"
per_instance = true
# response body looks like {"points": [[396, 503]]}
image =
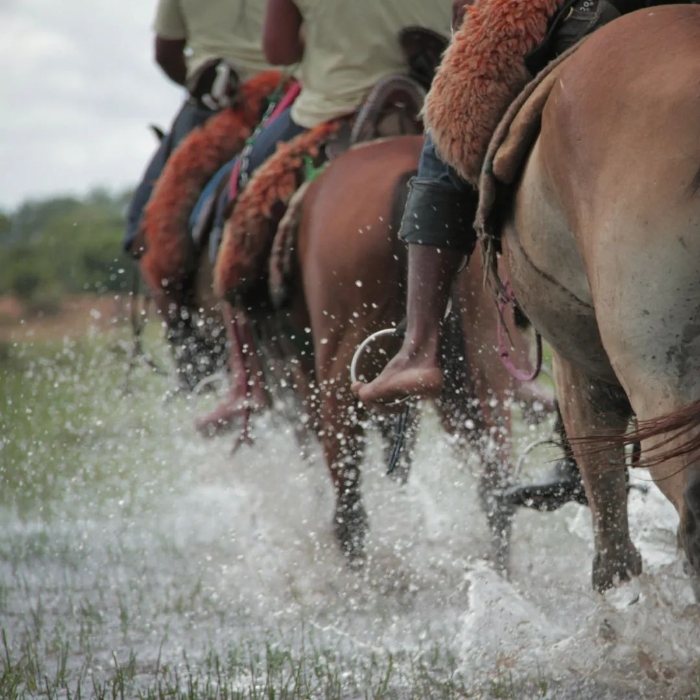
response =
{"points": [[393, 332]]}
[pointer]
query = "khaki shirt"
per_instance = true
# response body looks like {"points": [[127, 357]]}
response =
{"points": [[229, 29], [352, 44]]}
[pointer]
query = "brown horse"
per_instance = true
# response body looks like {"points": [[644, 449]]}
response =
{"points": [[350, 269], [603, 245]]}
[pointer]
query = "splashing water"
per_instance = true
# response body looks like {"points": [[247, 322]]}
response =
{"points": [[125, 534]]}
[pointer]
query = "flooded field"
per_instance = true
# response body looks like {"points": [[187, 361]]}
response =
{"points": [[139, 560]]}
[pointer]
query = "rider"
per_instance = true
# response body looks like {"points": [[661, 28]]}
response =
{"points": [[438, 227], [341, 50], [209, 47]]}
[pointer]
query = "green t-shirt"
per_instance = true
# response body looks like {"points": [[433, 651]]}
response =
{"points": [[229, 29]]}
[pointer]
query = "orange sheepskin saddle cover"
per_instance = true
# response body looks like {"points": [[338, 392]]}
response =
{"points": [[169, 257], [482, 72], [250, 230]]}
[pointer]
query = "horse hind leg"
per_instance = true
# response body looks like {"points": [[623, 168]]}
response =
{"points": [[342, 439], [591, 408], [481, 421], [471, 408], [493, 431]]}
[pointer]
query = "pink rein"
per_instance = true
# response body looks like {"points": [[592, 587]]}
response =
{"points": [[506, 298], [286, 101]]}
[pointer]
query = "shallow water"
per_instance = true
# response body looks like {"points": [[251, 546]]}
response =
{"points": [[126, 534]]}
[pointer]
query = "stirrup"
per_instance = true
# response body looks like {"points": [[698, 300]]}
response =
{"points": [[396, 332]]}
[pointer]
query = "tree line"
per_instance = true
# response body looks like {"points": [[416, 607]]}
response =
{"points": [[55, 247]]}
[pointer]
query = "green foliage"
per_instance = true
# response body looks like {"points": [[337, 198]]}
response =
{"points": [[56, 247]]}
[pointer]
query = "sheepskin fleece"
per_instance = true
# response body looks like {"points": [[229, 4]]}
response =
{"points": [[250, 230], [170, 257], [481, 72]]}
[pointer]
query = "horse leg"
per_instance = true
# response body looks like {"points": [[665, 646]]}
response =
{"points": [[493, 432], [342, 438], [591, 407], [246, 394], [196, 356]]}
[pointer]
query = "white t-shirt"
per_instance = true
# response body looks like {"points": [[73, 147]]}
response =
{"points": [[229, 29], [350, 45]]}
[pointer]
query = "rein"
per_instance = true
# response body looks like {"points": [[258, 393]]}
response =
{"points": [[507, 297], [278, 103]]}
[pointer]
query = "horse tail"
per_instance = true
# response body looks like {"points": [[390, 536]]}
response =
{"points": [[678, 431]]}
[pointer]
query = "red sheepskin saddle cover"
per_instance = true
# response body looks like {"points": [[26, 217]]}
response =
{"points": [[170, 256], [482, 72], [250, 230]]}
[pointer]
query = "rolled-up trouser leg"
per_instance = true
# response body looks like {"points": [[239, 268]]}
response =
{"points": [[439, 216], [440, 208]]}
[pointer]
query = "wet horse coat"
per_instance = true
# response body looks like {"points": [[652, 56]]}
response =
{"points": [[603, 245], [350, 268]]}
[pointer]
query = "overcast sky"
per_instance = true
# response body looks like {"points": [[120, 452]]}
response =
{"points": [[77, 91]]}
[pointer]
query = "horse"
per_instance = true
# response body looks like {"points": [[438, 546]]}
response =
{"points": [[175, 266], [602, 246], [347, 281]]}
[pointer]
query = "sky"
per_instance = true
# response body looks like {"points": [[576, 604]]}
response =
{"points": [[78, 90]]}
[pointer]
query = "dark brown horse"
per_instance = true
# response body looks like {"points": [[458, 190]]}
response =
{"points": [[349, 272], [603, 244], [177, 270]]}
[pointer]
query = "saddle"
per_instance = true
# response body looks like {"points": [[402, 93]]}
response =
{"points": [[507, 153], [215, 84], [482, 72], [393, 107]]}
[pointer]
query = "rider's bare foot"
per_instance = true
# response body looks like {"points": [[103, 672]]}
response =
{"points": [[402, 377], [223, 418]]}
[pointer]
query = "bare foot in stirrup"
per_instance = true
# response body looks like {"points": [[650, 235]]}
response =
{"points": [[404, 377]]}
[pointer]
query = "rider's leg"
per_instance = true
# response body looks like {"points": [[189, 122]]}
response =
{"points": [[437, 225], [247, 390], [560, 485], [190, 116]]}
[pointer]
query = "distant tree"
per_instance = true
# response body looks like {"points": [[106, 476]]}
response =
{"points": [[5, 226], [64, 245]]}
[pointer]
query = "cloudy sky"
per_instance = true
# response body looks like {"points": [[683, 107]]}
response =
{"points": [[78, 89]]}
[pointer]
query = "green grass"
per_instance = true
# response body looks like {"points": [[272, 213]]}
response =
{"points": [[266, 670], [66, 424], [71, 435]]}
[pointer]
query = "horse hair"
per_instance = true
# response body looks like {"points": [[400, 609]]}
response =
{"points": [[671, 426]]}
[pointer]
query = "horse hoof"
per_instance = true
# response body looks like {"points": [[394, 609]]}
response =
{"points": [[211, 428], [350, 525], [614, 567], [561, 486], [243, 439]]}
